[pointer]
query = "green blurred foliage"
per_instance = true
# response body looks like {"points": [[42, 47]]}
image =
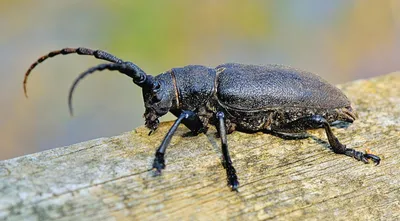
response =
{"points": [[180, 32]]}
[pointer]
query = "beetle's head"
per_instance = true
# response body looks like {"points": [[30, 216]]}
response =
{"points": [[158, 100]]}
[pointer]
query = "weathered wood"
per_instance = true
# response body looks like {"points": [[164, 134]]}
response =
{"points": [[109, 178]]}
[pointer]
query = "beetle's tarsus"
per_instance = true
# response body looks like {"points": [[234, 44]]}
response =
{"points": [[234, 185], [232, 178], [358, 155], [364, 157], [158, 164]]}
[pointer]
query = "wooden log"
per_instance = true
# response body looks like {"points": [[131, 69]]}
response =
{"points": [[109, 178]]}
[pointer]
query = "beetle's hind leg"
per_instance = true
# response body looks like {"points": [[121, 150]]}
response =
{"points": [[317, 121], [227, 162]]}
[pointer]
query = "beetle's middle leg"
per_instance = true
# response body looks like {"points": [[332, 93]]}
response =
{"points": [[317, 121], [159, 162], [230, 170]]}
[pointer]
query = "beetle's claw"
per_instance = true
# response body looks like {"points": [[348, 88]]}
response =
{"points": [[158, 164], [157, 168], [364, 157], [232, 178], [373, 157], [234, 185]]}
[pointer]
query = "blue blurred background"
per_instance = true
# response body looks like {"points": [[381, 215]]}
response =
{"points": [[340, 40]]}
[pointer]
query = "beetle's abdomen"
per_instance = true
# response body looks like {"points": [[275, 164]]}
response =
{"points": [[254, 87]]}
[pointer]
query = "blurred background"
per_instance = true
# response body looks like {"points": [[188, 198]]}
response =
{"points": [[340, 40]]}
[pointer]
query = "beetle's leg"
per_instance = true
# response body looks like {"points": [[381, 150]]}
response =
{"points": [[230, 170], [159, 162], [317, 121], [194, 124]]}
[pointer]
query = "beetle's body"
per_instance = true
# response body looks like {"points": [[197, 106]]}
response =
{"points": [[271, 96], [231, 97]]}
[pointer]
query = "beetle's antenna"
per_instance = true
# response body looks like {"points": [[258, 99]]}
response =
{"points": [[128, 68], [81, 51]]}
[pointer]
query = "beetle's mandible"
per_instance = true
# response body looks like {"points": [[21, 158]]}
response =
{"points": [[231, 97]]}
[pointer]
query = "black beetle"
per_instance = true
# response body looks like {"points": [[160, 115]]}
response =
{"points": [[232, 96]]}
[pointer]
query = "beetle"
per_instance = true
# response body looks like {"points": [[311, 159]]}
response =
{"points": [[231, 97]]}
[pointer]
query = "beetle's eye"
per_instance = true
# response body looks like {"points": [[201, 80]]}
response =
{"points": [[156, 86]]}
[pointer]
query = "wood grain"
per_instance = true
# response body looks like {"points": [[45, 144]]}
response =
{"points": [[109, 178]]}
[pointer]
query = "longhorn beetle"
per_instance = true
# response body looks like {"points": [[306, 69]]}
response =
{"points": [[231, 97]]}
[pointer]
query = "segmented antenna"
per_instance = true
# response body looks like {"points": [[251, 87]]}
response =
{"points": [[127, 68], [99, 54]]}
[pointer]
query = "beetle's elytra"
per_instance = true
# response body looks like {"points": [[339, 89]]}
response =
{"points": [[231, 97]]}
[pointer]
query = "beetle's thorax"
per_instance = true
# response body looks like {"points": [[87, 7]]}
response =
{"points": [[194, 86]]}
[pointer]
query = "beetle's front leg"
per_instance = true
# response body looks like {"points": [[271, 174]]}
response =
{"points": [[159, 162], [230, 170]]}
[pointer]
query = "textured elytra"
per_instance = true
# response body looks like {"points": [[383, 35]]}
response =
{"points": [[249, 87]]}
